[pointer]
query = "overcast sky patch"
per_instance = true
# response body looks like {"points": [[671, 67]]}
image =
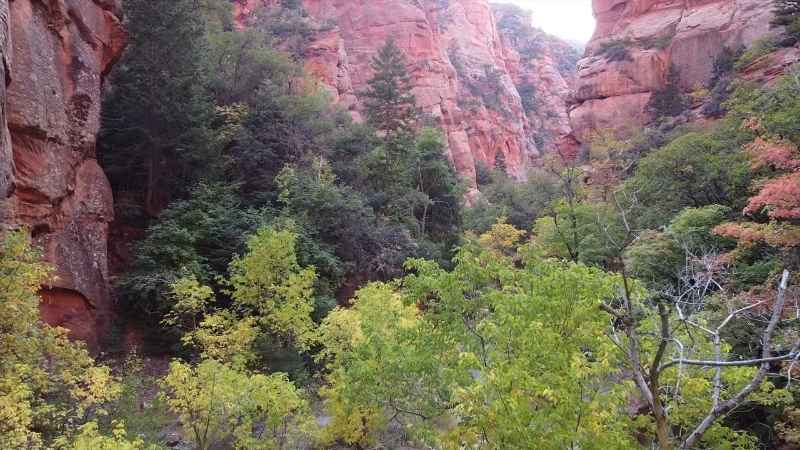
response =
{"points": [[567, 19]]}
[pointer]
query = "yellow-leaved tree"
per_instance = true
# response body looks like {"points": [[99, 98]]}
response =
{"points": [[497, 353], [50, 387], [228, 397]]}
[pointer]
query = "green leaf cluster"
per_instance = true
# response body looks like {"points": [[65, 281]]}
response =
{"points": [[488, 355], [49, 386]]}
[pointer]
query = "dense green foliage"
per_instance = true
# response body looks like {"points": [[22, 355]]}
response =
{"points": [[697, 169], [222, 404], [275, 151], [519, 203], [669, 101], [156, 121], [320, 286], [51, 390], [464, 348]]}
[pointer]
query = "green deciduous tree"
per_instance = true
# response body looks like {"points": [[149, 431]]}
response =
{"points": [[49, 386], [196, 237], [271, 295], [218, 404], [696, 169], [521, 203], [489, 355], [268, 283], [90, 438]]}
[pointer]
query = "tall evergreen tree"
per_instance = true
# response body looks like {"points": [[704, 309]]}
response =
{"points": [[155, 122], [390, 105]]}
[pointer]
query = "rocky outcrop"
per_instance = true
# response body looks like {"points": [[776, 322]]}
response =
{"points": [[59, 52], [6, 157], [543, 70], [637, 41], [470, 76]]}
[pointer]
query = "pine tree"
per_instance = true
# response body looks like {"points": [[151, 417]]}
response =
{"points": [[390, 104], [155, 120]]}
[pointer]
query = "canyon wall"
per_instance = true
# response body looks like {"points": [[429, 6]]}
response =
{"points": [[55, 56], [613, 93], [6, 158], [471, 77]]}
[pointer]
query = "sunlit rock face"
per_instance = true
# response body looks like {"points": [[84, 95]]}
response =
{"points": [[466, 71], [686, 34], [56, 54]]}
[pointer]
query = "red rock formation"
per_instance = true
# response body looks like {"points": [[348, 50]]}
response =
{"points": [[543, 68], [6, 158], [60, 52], [465, 72], [688, 34]]}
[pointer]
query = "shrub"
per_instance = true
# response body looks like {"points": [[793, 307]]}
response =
{"points": [[657, 42], [694, 170], [669, 101], [616, 50], [761, 47], [219, 404]]}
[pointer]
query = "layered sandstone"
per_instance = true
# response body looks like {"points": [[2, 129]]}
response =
{"points": [[59, 54], [6, 158], [466, 73], [657, 34]]}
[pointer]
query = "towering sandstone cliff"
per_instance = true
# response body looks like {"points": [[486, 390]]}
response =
{"points": [[55, 56], [657, 34], [482, 73]]}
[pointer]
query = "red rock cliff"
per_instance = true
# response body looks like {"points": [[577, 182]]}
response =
{"points": [[687, 34], [469, 74], [57, 53]]}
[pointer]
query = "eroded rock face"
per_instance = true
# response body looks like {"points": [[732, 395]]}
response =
{"points": [[6, 158], [60, 51], [466, 73], [686, 34], [543, 70]]}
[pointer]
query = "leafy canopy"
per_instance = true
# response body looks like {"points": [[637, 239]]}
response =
{"points": [[49, 386]]}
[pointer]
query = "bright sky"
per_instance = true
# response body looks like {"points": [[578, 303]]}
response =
{"points": [[567, 19]]}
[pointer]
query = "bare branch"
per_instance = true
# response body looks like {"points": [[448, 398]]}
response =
{"points": [[717, 363], [766, 358], [611, 311], [737, 312]]}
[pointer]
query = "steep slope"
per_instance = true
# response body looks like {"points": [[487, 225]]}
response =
{"points": [[648, 37], [49, 177], [470, 76]]}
